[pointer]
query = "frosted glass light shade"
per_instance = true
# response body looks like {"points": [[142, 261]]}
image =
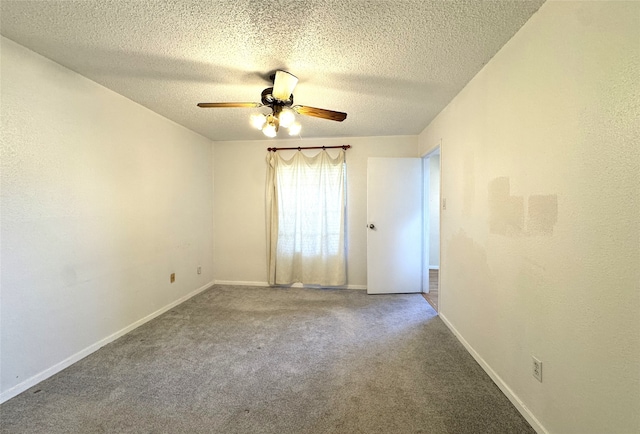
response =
{"points": [[269, 130], [294, 128], [287, 117], [283, 85], [257, 120]]}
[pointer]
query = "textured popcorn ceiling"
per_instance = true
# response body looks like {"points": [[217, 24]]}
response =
{"points": [[391, 65]]}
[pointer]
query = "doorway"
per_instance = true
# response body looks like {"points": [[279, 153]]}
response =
{"points": [[431, 227]]}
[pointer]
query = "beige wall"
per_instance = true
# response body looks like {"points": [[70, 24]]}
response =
{"points": [[240, 173], [540, 238], [101, 201]]}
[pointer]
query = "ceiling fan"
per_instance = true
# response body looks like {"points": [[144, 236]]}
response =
{"points": [[279, 99]]}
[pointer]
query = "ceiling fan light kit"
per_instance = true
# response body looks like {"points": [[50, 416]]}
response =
{"points": [[295, 128], [270, 128], [287, 117], [283, 113], [258, 120]]}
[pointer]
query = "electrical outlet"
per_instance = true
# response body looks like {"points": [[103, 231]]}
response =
{"points": [[172, 278], [199, 270], [537, 369]]}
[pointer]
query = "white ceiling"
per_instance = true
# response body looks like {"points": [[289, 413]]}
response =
{"points": [[391, 65]]}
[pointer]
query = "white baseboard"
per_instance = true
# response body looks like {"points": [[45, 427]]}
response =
{"points": [[295, 285], [533, 421], [30, 382], [239, 283]]}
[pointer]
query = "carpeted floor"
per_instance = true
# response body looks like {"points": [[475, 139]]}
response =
{"points": [[269, 360]]}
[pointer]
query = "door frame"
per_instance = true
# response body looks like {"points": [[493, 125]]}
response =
{"points": [[432, 150]]}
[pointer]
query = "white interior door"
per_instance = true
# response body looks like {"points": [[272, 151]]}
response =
{"points": [[394, 221]]}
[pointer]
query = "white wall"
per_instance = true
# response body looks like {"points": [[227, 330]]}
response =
{"points": [[101, 200], [240, 173], [540, 239]]}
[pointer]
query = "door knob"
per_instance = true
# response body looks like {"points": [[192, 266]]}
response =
{"points": [[372, 226]]}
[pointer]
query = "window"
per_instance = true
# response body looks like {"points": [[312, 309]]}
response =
{"points": [[307, 210]]}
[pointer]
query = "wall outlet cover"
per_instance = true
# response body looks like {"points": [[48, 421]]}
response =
{"points": [[537, 369]]}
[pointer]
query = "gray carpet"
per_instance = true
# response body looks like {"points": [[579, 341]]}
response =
{"points": [[269, 360]]}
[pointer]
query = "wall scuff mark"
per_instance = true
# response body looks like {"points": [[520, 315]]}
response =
{"points": [[507, 212]]}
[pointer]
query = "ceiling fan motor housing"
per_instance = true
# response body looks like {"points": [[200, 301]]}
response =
{"points": [[269, 100]]}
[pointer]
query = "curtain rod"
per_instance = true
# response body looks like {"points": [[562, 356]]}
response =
{"points": [[299, 148]]}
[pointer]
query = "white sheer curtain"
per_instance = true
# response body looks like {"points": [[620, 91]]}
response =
{"points": [[306, 219]]}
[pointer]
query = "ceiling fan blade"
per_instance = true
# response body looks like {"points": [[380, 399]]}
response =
{"points": [[320, 113], [283, 85], [228, 104]]}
